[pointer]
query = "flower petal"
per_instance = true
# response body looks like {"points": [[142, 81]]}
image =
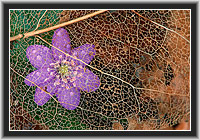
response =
{"points": [[39, 77], [60, 40], [42, 97], [39, 56], [85, 52], [87, 80], [69, 98]]}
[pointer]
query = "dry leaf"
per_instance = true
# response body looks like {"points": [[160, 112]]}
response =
{"points": [[142, 59]]}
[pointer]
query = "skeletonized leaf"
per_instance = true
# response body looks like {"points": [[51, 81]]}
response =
{"points": [[142, 60]]}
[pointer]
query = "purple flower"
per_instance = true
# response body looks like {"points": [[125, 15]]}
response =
{"points": [[60, 74]]}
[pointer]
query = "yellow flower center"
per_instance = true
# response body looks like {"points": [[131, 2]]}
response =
{"points": [[63, 69]]}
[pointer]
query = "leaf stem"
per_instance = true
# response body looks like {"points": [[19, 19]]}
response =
{"points": [[56, 26]]}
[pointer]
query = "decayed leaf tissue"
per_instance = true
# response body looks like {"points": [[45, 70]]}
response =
{"points": [[100, 70]]}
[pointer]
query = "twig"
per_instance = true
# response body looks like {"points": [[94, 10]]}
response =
{"points": [[16, 37], [56, 26]]}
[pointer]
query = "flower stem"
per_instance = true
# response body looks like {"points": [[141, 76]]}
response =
{"points": [[56, 26]]}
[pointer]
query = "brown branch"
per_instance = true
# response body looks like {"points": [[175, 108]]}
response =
{"points": [[16, 37], [56, 26]]}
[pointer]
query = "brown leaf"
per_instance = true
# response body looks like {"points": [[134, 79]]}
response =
{"points": [[183, 126], [117, 126], [143, 61]]}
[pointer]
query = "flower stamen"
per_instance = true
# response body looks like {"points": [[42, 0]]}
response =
{"points": [[48, 69], [74, 84], [75, 73], [52, 64], [72, 79], [56, 83], [67, 87], [72, 63], [60, 56], [57, 76], [79, 75], [52, 73], [64, 80]]}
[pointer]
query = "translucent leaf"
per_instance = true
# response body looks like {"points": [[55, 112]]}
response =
{"points": [[142, 60]]}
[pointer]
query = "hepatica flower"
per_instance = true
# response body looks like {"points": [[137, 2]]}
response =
{"points": [[60, 74]]}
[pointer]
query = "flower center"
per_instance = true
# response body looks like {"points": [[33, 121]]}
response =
{"points": [[63, 69]]}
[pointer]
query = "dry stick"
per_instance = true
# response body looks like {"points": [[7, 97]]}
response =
{"points": [[161, 26], [56, 26], [16, 37]]}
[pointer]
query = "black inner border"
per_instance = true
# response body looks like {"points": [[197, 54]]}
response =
{"points": [[8, 6]]}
